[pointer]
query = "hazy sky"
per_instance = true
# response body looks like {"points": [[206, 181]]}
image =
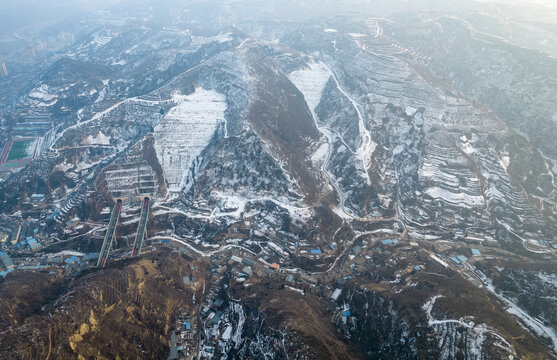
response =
{"points": [[21, 13]]}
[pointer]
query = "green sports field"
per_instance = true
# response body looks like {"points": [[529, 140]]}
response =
{"points": [[23, 149], [13, 164]]}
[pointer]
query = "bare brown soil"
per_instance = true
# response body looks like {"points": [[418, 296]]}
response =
{"points": [[120, 312]]}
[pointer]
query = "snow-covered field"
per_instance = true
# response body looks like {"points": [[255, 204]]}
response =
{"points": [[458, 199], [185, 131], [455, 183]]}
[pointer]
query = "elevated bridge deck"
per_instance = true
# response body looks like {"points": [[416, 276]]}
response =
{"points": [[138, 243], [110, 234]]}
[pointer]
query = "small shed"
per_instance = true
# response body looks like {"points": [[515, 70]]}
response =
{"points": [[389, 241], [248, 270]]}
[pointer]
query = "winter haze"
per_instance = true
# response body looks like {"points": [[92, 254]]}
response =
{"points": [[278, 179]]}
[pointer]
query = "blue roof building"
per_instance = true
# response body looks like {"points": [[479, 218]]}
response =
{"points": [[476, 252], [52, 215], [456, 260], [462, 258], [217, 317], [346, 313], [38, 197], [4, 273], [389, 241], [188, 325], [315, 251], [33, 244], [71, 260]]}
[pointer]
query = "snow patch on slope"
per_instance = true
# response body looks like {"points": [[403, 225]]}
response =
{"points": [[99, 139], [234, 205], [185, 131], [42, 93], [311, 81]]}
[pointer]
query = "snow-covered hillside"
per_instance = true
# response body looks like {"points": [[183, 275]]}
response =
{"points": [[311, 82], [185, 131]]}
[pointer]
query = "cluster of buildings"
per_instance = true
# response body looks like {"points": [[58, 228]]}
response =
{"points": [[19, 237], [23, 240], [462, 259], [7, 264], [184, 338]]}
